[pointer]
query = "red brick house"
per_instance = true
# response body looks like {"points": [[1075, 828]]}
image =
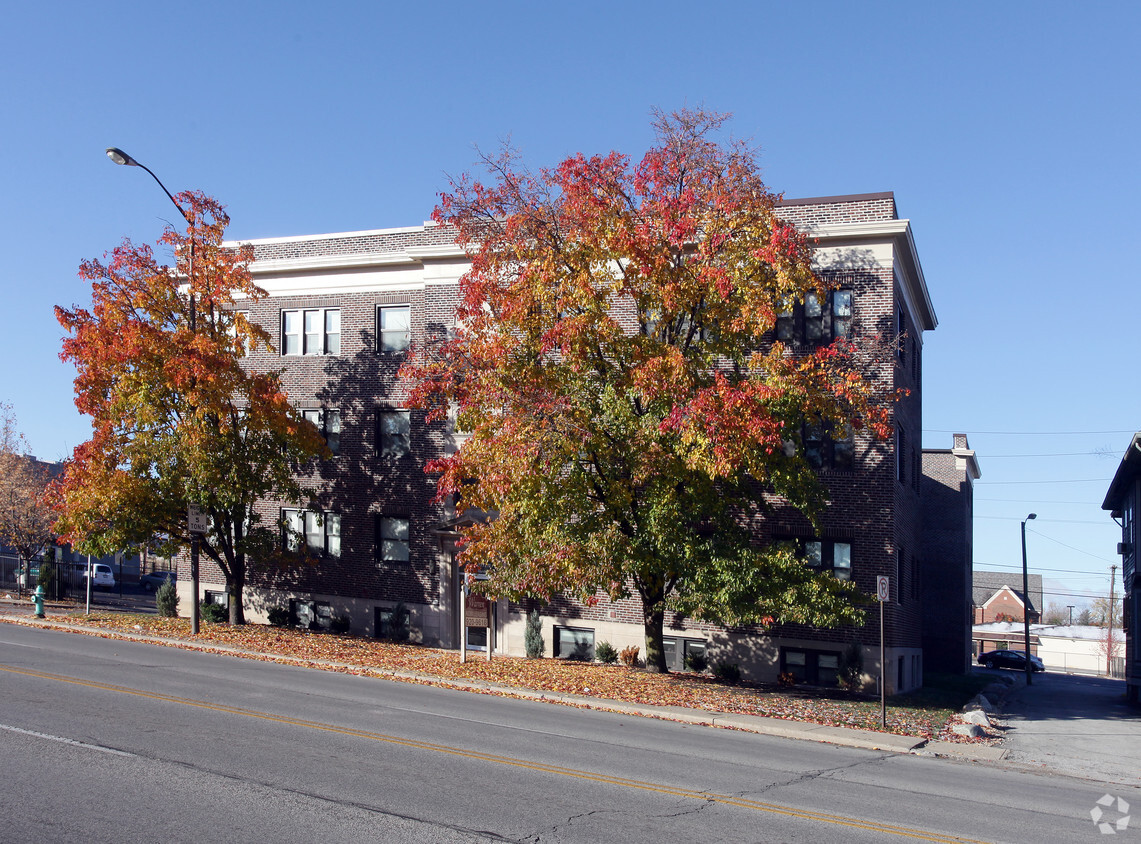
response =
{"points": [[343, 308]]}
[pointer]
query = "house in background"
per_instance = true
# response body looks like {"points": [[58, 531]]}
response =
{"points": [[947, 494], [998, 611], [1123, 501], [343, 310]]}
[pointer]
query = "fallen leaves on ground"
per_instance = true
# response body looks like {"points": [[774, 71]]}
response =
{"points": [[356, 654]]}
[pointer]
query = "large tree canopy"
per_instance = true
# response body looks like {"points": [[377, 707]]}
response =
{"points": [[176, 418], [627, 406]]}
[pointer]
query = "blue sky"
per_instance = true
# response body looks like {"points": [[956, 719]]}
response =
{"points": [[1008, 132]]}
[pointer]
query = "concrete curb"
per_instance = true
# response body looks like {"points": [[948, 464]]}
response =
{"points": [[779, 727]]}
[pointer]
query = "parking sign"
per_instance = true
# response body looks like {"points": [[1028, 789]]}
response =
{"points": [[883, 589]]}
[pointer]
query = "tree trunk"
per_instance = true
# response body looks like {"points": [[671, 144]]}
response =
{"points": [[652, 591], [655, 652], [235, 586]]}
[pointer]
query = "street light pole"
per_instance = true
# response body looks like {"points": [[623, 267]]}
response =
{"points": [[120, 157], [1026, 600]]}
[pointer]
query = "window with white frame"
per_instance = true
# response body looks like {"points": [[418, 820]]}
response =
{"points": [[321, 532], [393, 328], [311, 331], [392, 544], [393, 435], [328, 424]]}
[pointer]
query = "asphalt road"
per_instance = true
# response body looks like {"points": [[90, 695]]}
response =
{"points": [[106, 740]]}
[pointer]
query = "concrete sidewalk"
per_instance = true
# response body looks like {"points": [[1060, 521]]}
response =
{"points": [[843, 736]]}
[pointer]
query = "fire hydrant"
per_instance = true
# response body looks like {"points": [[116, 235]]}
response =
{"points": [[38, 600]]}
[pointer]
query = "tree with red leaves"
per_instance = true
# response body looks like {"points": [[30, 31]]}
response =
{"points": [[613, 360], [176, 418]]}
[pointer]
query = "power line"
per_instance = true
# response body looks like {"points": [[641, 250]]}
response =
{"points": [[1032, 433]]}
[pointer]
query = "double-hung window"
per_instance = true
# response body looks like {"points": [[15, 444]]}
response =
{"points": [[321, 532], [816, 320], [394, 429], [825, 555], [312, 331], [828, 446], [393, 328], [392, 540], [328, 423]]}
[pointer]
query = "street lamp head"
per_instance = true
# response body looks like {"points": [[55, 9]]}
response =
{"points": [[120, 157], [1032, 516]]}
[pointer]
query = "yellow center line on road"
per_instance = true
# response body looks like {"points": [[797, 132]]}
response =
{"points": [[705, 796]]}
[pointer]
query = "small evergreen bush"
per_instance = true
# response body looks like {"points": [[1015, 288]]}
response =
{"points": [[399, 624], [213, 613], [278, 616], [696, 661], [340, 624], [606, 653], [166, 600], [727, 672], [533, 635], [851, 667]]}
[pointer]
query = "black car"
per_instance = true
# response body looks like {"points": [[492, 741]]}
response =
{"points": [[1010, 659], [154, 580]]}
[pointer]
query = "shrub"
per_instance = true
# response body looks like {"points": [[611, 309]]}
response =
{"points": [[340, 624], [278, 616], [629, 656], [399, 624], [213, 613], [696, 661], [46, 577], [786, 679], [727, 672], [166, 600], [533, 635], [605, 652], [851, 666]]}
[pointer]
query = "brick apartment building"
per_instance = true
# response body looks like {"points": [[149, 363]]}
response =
{"points": [[342, 308]]}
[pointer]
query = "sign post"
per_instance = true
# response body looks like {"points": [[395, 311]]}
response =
{"points": [[477, 613], [883, 595], [198, 523]]}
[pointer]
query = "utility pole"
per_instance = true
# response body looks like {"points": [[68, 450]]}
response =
{"points": [[1109, 635], [1070, 607]]}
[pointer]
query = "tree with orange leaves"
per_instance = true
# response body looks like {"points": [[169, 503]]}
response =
{"points": [[629, 410], [176, 417]]}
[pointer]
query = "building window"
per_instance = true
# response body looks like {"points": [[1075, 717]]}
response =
{"points": [[817, 321], [574, 643], [320, 531], [315, 331], [392, 539], [900, 454], [222, 599], [828, 446], [394, 429], [310, 615], [240, 317], [393, 327], [814, 668], [328, 424], [825, 555]]}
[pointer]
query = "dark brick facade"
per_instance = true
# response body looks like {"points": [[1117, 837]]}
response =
{"points": [[876, 504]]}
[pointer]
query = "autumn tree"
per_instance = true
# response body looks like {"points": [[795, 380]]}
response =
{"points": [[176, 418], [612, 360], [25, 516]]}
